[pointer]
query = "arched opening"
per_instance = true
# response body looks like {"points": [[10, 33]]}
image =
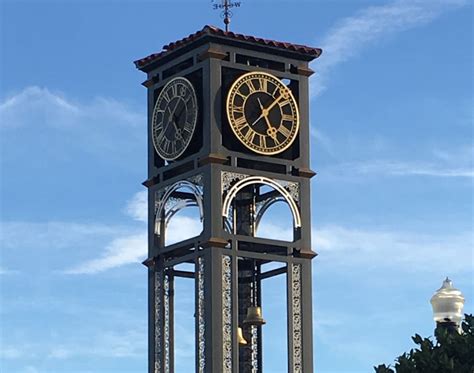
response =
{"points": [[261, 207], [275, 221], [179, 213], [185, 223]]}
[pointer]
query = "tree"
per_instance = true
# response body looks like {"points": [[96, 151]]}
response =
{"points": [[451, 353]]}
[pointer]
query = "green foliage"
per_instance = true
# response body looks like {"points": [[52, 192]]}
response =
{"points": [[451, 353]]}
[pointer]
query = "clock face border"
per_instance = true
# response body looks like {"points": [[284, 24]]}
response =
{"points": [[279, 85], [190, 88]]}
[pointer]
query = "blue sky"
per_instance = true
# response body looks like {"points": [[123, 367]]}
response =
{"points": [[392, 204]]}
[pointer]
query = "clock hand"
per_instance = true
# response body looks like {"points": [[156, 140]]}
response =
{"points": [[162, 134], [261, 115]]}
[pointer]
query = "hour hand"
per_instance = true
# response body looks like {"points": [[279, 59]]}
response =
{"points": [[263, 114]]}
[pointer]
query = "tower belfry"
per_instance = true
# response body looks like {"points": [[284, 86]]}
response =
{"points": [[228, 125]]}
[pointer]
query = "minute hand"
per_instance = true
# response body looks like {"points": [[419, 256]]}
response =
{"points": [[266, 110]]}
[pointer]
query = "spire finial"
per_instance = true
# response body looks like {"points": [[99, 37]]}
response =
{"points": [[226, 14]]}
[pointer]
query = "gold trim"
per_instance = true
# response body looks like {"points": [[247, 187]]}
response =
{"points": [[231, 94]]}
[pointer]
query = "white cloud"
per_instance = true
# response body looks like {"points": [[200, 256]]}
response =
{"points": [[397, 168], [109, 344], [408, 251], [321, 139], [121, 251], [133, 248], [129, 343], [349, 37], [50, 123], [137, 206], [54, 234], [35, 106]]}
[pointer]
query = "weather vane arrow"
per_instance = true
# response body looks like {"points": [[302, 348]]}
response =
{"points": [[225, 6]]}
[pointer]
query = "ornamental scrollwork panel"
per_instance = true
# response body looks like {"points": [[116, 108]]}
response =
{"points": [[296, 292], [227, 313], [201, 316]]}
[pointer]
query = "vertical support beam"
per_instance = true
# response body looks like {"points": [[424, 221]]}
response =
{"points": [[307, 315], [151, 319], [227, 319], [200, 313], [295, 337], [158, 327], [305, 211], [305, 129], [170, 320], [213, 283], [235, 309]]}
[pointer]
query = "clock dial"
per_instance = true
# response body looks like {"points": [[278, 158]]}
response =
{"points": [[174, 118], [262, 113]]}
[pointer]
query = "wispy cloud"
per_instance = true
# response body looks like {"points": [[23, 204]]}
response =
{"points": [[349, 37], [440, 163], [121, 251], [409, 251], [395, 168], [54, 109], [133, 248], [50, 123], [54, 234], [110, 344], [129, 343], [137, 206]]}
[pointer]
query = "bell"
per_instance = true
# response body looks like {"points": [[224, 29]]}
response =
{"points": [[240, 337], [254, 316]]}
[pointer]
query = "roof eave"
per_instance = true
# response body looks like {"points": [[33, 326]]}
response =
{"points": [[165, 55]]}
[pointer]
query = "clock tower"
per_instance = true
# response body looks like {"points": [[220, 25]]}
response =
{"points": [[228, 134]]}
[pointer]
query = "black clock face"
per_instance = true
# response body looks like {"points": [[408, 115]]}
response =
{"points": [[174, 118]]}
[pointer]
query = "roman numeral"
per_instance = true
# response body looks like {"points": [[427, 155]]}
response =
{"points": [[263, 84], [249, 136], [188, 127], [238, 109], [284, 103], [166, 97], [262, 141], [284, 131], [173, 147], [240, 122], [287, 117], [158, 127], [174, 90], [251, 87], [166, 145], [241, 94]]}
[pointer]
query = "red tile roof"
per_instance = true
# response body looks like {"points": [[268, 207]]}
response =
{"points": [[215, 31]]}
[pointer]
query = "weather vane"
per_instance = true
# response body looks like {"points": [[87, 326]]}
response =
{"points": [[225, 6]]}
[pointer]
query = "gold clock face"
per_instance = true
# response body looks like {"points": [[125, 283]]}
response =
{"points": [[262, 113]]}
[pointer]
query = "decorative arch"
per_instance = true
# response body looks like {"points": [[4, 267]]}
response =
{"points": [[251, 180], [168, 206], [265, 206]]}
